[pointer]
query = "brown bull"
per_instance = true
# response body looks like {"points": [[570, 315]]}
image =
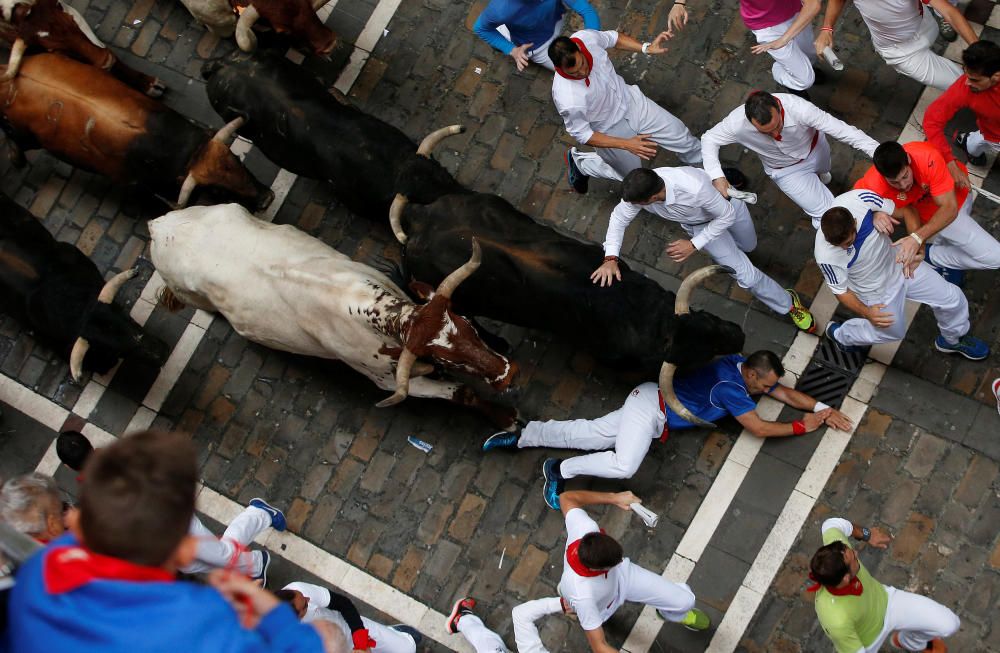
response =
{"points": [[49, 25], [91, 120], [295, 17]]}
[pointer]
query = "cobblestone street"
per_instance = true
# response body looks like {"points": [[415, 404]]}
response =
{"points": [[924, 461]]}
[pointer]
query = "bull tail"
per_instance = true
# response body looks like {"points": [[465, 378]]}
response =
{"points": [[168, 300]]}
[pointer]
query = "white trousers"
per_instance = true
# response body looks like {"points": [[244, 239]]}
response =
{"points": [[793, 63], [729, 248], [482, 638], [801, 182], [672, 600], [918, 620], [629, 431], [642, 117], [217, 552], [539, 51], [964, 244], [950, 307], [916, 60], [525, 615], [976, 144]]}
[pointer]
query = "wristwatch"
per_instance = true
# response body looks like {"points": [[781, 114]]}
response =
{"points": [[866, 534]]}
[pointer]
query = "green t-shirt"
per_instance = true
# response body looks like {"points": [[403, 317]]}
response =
{"points": [[852, 622]]}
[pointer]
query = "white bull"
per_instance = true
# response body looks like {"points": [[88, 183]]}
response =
{"points": [[282, 288]]}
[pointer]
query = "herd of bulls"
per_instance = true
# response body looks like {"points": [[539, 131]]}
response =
{"points": [[466, 253]]}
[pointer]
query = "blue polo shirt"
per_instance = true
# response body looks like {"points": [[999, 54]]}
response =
{"points": [[529, 21], [712, 392]]}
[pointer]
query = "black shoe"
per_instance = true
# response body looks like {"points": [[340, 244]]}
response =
{"points": [[962, 139], [945, 30], [820, 76], [736, 178], [802, 94], [577, 180]]}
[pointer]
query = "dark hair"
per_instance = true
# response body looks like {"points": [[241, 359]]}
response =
{"points": [[285, 595], [138, 497], [600, 551], [890, 158], [73, 449], [837, 225], [758, 107], [641, 184], [561, 50], [764, 361], [828, 566], [982, 58]]}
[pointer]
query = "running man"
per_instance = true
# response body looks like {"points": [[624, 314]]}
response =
{"points": [[523, 29]]}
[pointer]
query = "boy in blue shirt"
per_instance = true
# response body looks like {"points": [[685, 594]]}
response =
{"points": [[523, 29]]}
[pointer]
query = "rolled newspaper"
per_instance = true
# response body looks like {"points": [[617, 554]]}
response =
{"points": [[832, 58], [749, 198], [649, 517]]}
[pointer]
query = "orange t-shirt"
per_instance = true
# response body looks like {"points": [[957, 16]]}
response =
{"points": [[930, 178]]}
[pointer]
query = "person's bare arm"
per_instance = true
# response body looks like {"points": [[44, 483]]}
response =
{"points": [[761, 428], [956, 19], [825, 39], [640, 145], [802, 401], [907, 248], [810, 9], [583, 498], [874, 314], [598, 644]]}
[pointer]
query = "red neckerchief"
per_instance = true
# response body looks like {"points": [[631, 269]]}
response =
{"points": [[663, 409], [67, 568], [573, 558], [781, 108], [587, 56], [854, 588]]}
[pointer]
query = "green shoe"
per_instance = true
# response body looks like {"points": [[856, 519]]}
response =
{"points": [[695, 619], [800, 315]]}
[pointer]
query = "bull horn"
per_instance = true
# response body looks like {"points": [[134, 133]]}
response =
{"points": [[432, 139], [670, 397], [76, 356], [452, 281], [14, 63], [403, 368], [682, 304], [113, 285], [245, 37], [395, 217], [226, 134], [190, 183]]}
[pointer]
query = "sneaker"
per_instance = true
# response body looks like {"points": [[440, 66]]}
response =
{"points": [[831, 331], [962, 139], [936, 645], [820, 76], [550, 470], [411, 631], [969, 346], [802, 94], [578, 181], [461, 607], [826, 178], [800, 315], [502, 440], [550, 492], [996, 392], [945, 30], [278, 522], [695, 619], [265, 563]]}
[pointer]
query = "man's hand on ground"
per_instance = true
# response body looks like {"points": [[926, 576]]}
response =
{"points": [[606, 274]]}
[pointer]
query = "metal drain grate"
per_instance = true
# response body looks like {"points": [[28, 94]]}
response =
{"points": [[831, 373]]}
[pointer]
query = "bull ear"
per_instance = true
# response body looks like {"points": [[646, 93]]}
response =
{"points": [[422, 290]]}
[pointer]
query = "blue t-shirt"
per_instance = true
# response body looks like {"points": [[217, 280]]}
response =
{"points": [[529, 21], [712, 392]]}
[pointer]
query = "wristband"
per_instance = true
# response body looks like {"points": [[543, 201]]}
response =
{"points": [[819, 406], [361, 640], [915, 236], [798, 427], [866, 534], [610, 258], [826, 29], [645, 47]]}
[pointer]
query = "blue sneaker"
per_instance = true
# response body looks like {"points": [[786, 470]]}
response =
{"points": [[550, 470], [578, 181], [550, 492], [831, 330], [502, 440], [278, 522], [266, 562], [969, 346], [411, 631]]}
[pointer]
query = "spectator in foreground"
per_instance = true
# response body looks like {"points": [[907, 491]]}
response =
{"points": [[32, 505]]}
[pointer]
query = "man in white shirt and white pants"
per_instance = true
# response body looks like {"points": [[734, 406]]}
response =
{"points": [[789, 135], [721, 227], [601, 110], [860, 267], [903, 32], [483, 640]]}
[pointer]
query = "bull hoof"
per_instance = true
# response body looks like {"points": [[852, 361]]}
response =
{"points": [[156, 88]]}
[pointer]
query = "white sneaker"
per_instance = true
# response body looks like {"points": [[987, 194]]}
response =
{"points": [[825, 177]]}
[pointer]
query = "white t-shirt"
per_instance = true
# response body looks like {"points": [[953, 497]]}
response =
{"points": [[601, 104], [868, 267], [891, 21], [593, 598], [691, 200]]}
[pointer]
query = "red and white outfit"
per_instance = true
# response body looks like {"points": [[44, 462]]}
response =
{"points": [[604, 103], [769, 20], [526, 636], [903, 32], [597, 595], [230, 550], [986, 106], [795, 161]]}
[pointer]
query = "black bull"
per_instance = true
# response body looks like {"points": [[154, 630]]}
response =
{"points": [[531, 275], [54, 289]]}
